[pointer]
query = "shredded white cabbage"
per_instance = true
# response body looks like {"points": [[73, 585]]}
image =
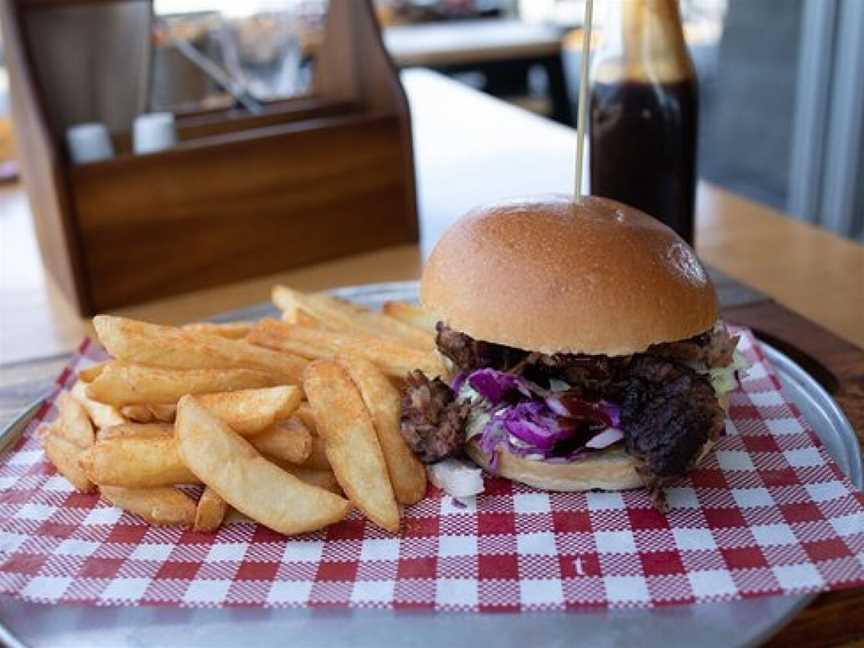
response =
{"points": [[517, 442], [478, 418], [456, 478], [557, 385], [723, 379], [466, 391]]}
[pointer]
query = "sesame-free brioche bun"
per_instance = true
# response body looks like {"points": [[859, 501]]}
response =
{"points": [[551, 275], [609, 470]]}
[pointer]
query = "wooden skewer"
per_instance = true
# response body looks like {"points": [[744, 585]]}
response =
{"points": [[583, 96]]}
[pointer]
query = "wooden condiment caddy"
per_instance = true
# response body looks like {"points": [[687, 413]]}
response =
{"points": [[241, 195]]}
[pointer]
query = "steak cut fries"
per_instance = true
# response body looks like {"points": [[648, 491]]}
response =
{"points": [[292, 444]]}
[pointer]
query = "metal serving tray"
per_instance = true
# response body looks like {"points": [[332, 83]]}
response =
{"points": [[739, 623]]}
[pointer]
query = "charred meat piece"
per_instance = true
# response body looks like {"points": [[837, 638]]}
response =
{"points": [[588, 375], [720, 349], [668, 413], [684, 350], [592, 373], [433, 421], [469, 354], [714, 348]]}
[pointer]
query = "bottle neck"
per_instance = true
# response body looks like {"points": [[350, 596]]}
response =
{"points": [[643, 40]]}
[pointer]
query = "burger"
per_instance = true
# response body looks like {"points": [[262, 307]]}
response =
{"points": [[583, 345]]}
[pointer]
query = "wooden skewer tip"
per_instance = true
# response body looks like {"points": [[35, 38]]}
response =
{"points": [[583, 96]]}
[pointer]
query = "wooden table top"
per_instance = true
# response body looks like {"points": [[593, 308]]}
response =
{"points": [[469, 41], [470, 148]]}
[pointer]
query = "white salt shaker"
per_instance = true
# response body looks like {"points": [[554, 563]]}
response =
{"points": [[153, 132], [89, 142]]}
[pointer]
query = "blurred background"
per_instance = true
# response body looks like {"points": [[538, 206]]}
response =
{"points": [[183, 153], [781, 81]]}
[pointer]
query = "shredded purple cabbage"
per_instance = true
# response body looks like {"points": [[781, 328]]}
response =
{"points": [[533, 423], [496, 386], [557, 427], [492, 437], [458, 381]]}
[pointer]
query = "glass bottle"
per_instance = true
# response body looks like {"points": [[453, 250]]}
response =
{"points": [[644, 110]]}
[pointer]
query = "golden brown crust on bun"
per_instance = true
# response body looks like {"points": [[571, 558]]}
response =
{"points": [[550, 275]]}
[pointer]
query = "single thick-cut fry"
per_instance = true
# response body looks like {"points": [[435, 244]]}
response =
{"points": [[384, 403], [350, 441], [137, 413], [210, 511], [229, 465], [230, 330], [138, 430], [305, 319], [159, 506], [249, 411], [88, 374], [321, 478], [233, 516], [317, 459], [393, 358], [164, 412], [136, 462], [338, 315], [292, 313], [73, 424], [286, 300], [304, 413], [122, 384], [64, 455], [101, 414], [174, 348], [286, 440], [411, 314]]}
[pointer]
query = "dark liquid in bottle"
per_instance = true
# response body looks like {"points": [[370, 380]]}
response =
{"points": [[643, 148]]}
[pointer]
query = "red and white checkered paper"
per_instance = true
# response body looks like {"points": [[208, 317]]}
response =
{"points": [[767, 513]]}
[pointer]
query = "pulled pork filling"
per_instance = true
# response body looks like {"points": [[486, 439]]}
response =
{"points": [[562, 407], [668, 413], [433, 421]]}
